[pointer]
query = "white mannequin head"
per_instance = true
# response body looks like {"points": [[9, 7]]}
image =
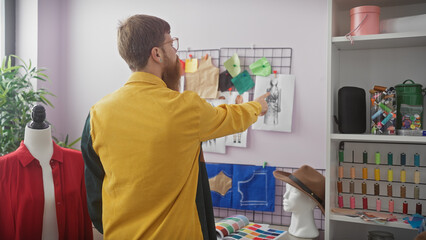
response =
{"points": [[302, 208]]}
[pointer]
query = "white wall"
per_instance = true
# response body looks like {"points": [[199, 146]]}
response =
{"points": [[77, 43]]}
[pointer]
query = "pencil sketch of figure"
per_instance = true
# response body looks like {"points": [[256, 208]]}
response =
{"points": [[274, 103]]}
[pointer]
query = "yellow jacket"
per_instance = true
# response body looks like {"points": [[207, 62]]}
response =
{"points": [[141, 145]]}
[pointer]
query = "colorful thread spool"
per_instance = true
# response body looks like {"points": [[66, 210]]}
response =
{"points": [[340, 201], [364, 188], [353, 172], [419, 208], [403, 191], [365, 157], [352, 202], [375, 115], [390, 175], [403, 175], [405, 207], [341, 155], [385, 108], [390, 159], [376, 189], [417, 177], [364, 203], [387, 118], [417, 160], [416, 192], [377, 174], [340, 172], [378, 205], [391, 206], [377, 158], [389, 187], [364, 173], [403, 159], [339, 187], [351, 187]]}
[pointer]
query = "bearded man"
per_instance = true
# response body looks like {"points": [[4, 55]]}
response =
{"points": [[144, 168]]}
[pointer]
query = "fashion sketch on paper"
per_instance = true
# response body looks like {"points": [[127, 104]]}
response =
{"points": [[216, 145], [274, 103], [280, 102]]}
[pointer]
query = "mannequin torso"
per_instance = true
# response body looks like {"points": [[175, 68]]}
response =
{"points": [[302, 207], [39, 143]]}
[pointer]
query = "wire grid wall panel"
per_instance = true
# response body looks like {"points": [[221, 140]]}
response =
{"points": [[279, 58], [279, 216], [213, 53]]}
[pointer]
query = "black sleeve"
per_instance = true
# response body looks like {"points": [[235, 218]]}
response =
{"points": [[94, 175]]}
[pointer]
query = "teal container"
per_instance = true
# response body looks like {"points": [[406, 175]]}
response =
{"points": [[409, 100]]}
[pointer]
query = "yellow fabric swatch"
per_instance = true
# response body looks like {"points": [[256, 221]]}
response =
{"points": [[191, 65]]}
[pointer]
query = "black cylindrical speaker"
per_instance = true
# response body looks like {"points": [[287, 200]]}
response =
{"points": [[351, 110]]}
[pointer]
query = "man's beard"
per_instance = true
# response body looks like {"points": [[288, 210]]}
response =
{"points": [[172, 73]]}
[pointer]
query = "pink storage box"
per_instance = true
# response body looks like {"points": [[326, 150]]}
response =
{"points": [[365, 20]]}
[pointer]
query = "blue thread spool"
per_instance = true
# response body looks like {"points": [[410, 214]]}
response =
{"points": [[417, 160], [386, 120], [378, 113], [403, 159]]}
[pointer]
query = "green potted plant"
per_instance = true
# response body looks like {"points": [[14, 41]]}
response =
{"points": [[17, 97]]}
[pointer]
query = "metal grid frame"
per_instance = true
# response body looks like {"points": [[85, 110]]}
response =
{"points": [[279, 216], [279, 58], [213, 53]]}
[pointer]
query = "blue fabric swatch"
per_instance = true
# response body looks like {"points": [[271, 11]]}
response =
{"points": [[212, 171], [253, 188]]}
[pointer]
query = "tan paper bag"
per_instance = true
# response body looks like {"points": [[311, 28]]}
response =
{"points": [[205, 80]]}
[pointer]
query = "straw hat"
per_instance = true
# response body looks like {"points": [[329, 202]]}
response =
{"points": [[307, 180]]}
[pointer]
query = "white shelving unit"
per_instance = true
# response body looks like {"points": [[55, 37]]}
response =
{"points": [[380, 59]]}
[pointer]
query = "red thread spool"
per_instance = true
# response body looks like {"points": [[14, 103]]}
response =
{"points": [[340, 201], [419, 208], [364, 203], [404, 207]]}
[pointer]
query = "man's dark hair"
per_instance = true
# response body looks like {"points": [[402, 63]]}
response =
{"points": [[136, 37]]}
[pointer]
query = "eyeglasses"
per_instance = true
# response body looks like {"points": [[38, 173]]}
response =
{"points": [[175, 43]]}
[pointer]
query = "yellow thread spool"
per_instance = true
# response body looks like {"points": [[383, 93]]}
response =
{"points": [[365, 173], [390, 175], [417, 177], [377, 174], [403, 173]]}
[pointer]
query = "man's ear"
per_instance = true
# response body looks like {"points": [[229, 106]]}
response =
{"points": [[156, 55]]}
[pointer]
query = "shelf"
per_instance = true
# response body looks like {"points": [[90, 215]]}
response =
{"points": [[378, 138], [397, 224], [385, 40], [348, 4]]}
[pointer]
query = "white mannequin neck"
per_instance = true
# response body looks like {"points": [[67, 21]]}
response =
{"points": [[302, 223], [39, 143]]}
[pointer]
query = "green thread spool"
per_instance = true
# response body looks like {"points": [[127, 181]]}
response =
{"points": [[378, 158], [384, 107], [365, 157], [341, 155], [390, 158]]}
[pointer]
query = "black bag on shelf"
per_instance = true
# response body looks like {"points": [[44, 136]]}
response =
{"points": [[351, 110]]}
